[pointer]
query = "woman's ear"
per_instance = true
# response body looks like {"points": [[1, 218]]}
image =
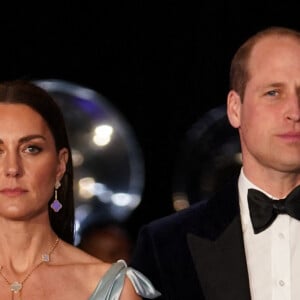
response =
{"points": [[63, 157], [234, 105]]}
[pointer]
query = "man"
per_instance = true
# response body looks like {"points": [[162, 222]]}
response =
{"points": [[211, 250]]}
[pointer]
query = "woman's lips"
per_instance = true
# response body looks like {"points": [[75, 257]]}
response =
{"points": [[13, 192]]}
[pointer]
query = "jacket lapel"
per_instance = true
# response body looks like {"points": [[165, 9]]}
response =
{"points": [[218, 253]]}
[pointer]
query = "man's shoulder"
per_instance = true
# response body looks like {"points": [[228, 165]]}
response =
{"points": [[186, 218], [199, 215]]}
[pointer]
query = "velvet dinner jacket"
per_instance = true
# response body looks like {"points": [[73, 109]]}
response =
{"points": [[197, 253]]}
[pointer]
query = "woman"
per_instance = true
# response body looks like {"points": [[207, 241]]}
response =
{"points": [[37, 258]]}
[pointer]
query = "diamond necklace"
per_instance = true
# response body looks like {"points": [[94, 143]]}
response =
{"points": [[16, 286]]}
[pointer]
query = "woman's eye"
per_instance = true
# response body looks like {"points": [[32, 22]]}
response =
{"points": [[32, 149]]}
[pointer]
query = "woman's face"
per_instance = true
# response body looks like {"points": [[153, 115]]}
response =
{"points": [[29, 163]]}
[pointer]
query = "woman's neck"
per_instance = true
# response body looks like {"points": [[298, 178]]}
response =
{"points": [[22, 244]]}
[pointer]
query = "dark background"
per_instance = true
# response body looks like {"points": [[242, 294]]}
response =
{"points": [[161, 64]]}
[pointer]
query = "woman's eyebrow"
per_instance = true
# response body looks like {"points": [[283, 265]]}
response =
{"points": [[28, 138]]}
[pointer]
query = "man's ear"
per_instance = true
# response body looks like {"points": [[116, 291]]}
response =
{"points": [[234, 105], [63, 157]]}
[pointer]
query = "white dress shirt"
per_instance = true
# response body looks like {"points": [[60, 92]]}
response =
{"points": [[273, 255]]}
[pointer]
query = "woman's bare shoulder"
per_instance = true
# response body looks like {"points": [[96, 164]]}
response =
{"points": [[82, 265], [72, 254], [78, 262]]}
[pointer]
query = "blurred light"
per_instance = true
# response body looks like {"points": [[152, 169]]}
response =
{"points": [[77, 158], [76, 225], [101, 191], [124, 199], [180, 201], [238, 158], [81, 214], [103, 135], [86, 187], [76, 236], [99, 137], [82, 211]]}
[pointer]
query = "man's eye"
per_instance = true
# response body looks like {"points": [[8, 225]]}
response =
{"points": [[272, 93], [32, 149]]}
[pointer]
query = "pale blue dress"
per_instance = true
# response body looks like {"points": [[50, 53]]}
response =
{"points": [[111, 285]]}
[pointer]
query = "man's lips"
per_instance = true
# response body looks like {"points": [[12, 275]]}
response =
{"points": [[290, 136]]}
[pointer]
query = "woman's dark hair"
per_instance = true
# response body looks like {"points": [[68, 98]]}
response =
{"points": [[25, 92]]}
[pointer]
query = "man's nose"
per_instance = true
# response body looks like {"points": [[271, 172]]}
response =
{"points": [[293, 112]]}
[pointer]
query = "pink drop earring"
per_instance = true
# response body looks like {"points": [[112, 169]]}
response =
{"points": [[56, 205]]}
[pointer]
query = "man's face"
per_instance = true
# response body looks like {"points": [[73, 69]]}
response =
{"points": [[269, 117]]}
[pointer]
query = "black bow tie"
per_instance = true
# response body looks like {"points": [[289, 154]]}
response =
{"points": [[263, 210]]}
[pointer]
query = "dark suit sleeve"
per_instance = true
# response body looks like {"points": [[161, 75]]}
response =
{"points": [[145, 260]]}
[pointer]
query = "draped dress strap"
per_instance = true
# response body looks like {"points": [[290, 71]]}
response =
{"points": [[111, 285]]}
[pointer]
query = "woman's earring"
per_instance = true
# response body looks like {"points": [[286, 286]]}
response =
{"points": [[56, 205]]}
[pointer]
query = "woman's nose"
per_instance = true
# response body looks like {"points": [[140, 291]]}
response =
{"points": [[12, 166], [12, 172]]}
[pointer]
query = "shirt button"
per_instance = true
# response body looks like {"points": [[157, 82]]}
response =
{"points": [[281, 235], [281, 283]]}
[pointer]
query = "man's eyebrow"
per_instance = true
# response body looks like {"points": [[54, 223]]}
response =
{"points": [[28, 138], [273, 84]]}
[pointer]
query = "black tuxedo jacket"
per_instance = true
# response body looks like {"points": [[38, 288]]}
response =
{"points": [[197, 253]]}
